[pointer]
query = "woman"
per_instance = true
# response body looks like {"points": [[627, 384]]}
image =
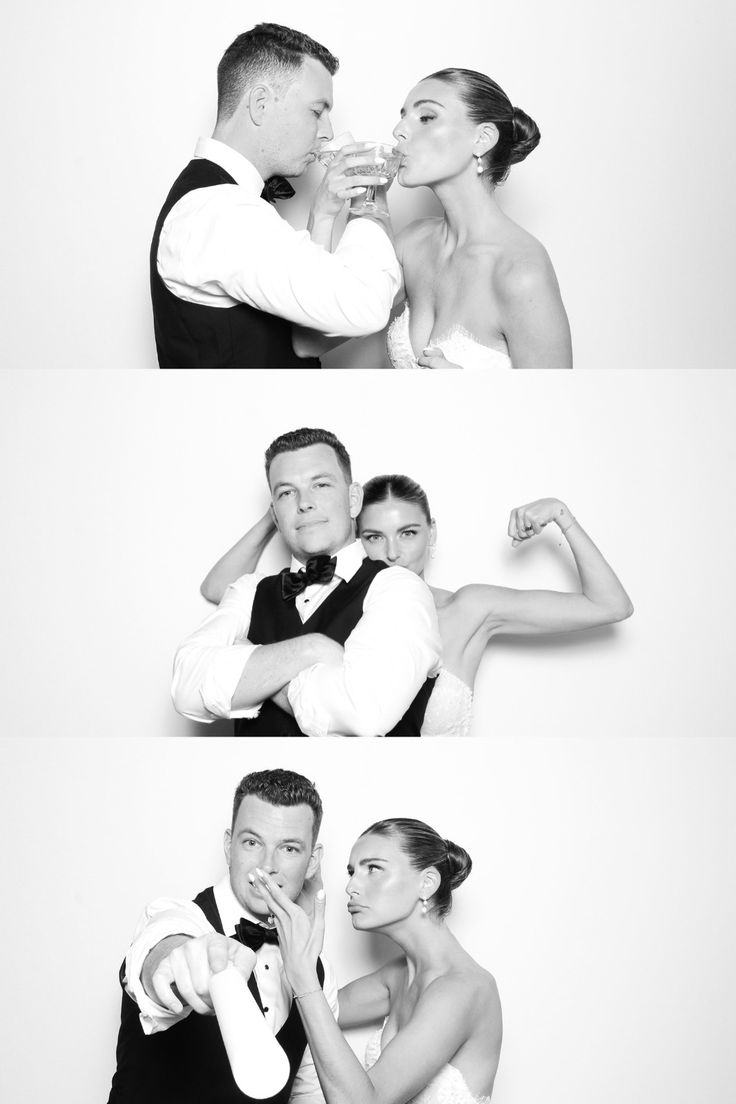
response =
{"points": [[441, 1018], [395, 525], [480, 291]]}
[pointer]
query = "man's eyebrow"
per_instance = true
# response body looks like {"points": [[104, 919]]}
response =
{"points": [[248, 832]]}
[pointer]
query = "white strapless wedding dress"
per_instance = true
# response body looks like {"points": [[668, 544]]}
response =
{"points": [[458, 346], [450, 707], [446, 1087]]}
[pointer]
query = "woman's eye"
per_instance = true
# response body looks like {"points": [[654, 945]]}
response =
{"points": [[426, 118], [409, 533]]}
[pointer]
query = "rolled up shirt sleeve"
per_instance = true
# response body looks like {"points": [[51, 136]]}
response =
{"points": [[160, 919], [392, 650], [209, 664], [222, 245]]}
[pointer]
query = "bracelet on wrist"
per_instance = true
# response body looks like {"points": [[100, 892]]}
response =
{"points": [[571, 522], [307, 993]]}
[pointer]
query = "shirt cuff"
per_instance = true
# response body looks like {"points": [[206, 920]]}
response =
{"points": [[205, 680], [174, 921], [311, 718]]}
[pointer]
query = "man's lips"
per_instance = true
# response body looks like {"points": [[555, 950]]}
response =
{"points": [[311, 523]]}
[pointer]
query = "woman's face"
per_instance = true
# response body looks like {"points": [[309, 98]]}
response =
{"points": [[397, 532], [383, 887], [435, 137]]}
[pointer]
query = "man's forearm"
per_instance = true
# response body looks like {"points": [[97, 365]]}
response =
{"points": [[271, 667]]}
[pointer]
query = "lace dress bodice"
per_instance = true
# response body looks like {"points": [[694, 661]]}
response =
{"points": [[446, 1087], [458, 346], [450, 707]]}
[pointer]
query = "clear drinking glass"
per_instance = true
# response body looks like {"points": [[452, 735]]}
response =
{"points": [[385, 162]]}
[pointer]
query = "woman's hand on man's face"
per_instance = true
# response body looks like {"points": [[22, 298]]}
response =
{"points": [[300, 936]]}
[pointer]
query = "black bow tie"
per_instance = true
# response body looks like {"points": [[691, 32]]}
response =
{"points": [[277, 188], [319, 569], [255, 935]]}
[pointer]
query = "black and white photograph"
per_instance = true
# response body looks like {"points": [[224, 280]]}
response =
{"points": [[606, 245], [587, 954], [367, 735], [500, 615]]}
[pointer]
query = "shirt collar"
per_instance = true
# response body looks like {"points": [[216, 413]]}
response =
{"points": [[230, 908], [240, 168], [348, 561]]}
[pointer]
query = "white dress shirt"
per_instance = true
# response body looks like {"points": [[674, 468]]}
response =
{"points": [[167, 916], [224, 245], [393, 648]]}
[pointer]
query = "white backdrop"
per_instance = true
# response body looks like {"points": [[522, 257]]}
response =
{"points": [[602, 896], [123, 488], [630, 189]]}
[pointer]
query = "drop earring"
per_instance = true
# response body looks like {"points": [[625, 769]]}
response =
{"points": [[478, 163], [424, 905]]}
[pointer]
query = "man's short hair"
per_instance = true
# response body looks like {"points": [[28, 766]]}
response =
{"points": [[304, 438], [268, 50], [280, 787]]}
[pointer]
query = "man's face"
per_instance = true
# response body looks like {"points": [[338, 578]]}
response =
{"points": [[312, 502], [275, 838], [299, 119]]}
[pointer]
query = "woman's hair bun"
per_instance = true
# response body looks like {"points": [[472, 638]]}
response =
{"points": [[459, 862], [524, 137]]}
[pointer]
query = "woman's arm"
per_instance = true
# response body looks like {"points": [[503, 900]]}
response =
{"points": [[533, 318], [601, 600], [441, 1022], [242, 559], [366, 1000]]}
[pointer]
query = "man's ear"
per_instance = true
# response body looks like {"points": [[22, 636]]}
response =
{"points": [[227, 843], [274, 519], [355, 493], [257, 101], [314, 861]]}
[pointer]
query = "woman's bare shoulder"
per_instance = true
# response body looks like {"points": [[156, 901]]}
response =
{"points": [[523, 264], [416, 236], [472, 984]]}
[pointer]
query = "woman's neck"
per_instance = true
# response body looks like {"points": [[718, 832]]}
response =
{"points": [[427, 944], [470, 210]]}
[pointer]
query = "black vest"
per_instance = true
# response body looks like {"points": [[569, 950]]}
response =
{"points": [[274, 619], [188, 1063], [189, 335]]}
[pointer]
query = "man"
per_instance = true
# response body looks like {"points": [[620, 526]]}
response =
{"points": [[338, 646], [229, 277], [169, 1046]]}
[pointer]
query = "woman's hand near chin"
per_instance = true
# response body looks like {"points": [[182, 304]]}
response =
{"points": [[300, 936], [529, 520]]}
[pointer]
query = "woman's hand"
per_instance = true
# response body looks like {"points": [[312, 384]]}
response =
{"points": [[300, 936], [434, 358], [527, 521]]}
